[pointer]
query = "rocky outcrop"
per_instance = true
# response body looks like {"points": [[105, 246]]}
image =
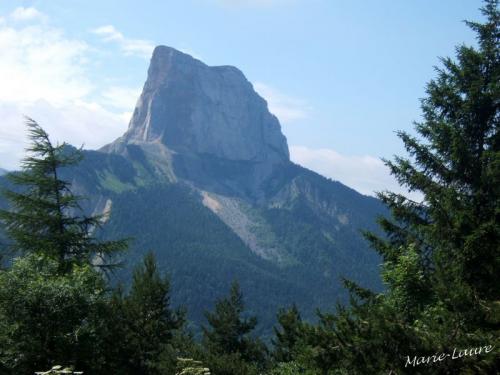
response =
{"points": [[210, 122], [193, 108], [202, 177]]}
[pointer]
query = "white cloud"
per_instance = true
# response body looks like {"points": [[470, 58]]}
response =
{"points": [[43, 74], [27, 14], [123, 98], [76, 123], [364, 173], [130, 47], [108, 33], [37, 62], [286, 108]]}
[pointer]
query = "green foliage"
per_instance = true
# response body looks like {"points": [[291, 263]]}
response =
{"points": [[289, 336], [313, 249], [59, 370], [151, 321], [291, 368], [48, 318], [42, 217], [53, 301], [188, 366], [407, 281], [145, 332], [230, 364], [110, 182], [230, 348], [188, 239], [442, 255]]}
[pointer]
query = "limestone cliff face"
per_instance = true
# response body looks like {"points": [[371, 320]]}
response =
{"points": [[193, 108], [212, 128], [207, 128], [203, 178]]}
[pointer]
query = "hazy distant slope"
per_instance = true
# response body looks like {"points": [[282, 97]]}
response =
{"points": [[202, 178]]}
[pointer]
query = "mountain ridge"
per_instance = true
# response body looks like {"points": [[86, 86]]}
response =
{"points": [[202, 178]]}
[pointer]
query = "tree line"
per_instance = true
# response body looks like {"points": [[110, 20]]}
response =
{"points": [[441, 258]]}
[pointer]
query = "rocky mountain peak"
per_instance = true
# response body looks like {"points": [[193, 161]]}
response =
{"points": [[193, 108]]}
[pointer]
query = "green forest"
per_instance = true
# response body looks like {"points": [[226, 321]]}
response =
{"points": [[439, 313]]}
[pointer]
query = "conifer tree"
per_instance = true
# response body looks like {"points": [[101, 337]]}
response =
{"points": [[45, 216], [47, 317], [52, 298], [150, 322], [288, 336], [230, 347], [441, 254], [455, 165], [452, 236]]}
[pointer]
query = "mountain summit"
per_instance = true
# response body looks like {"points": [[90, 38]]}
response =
{"points": [[203, 178], [194, 108], [206, 116]]}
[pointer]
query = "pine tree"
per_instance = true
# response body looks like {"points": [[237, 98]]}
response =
{"points": [[43, 217], [150, 322], [442, 254], [48, 318], [52, 298], [455, 164], [289, 335], [229, 345]]}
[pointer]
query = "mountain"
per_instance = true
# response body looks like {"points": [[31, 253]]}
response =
{"points": [[2, 171], [202, 177], [209, 125]]}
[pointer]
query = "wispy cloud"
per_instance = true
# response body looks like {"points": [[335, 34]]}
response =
{"points": [[77, 123], [38, 61], [44, 75], [286, 108], [27, 14], [364, 173], [130, 47], [123, 98]]}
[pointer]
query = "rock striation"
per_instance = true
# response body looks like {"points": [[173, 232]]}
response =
{"points": [[216, 131], [193, 108], [202, 177]]}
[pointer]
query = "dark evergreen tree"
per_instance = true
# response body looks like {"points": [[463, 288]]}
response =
{"points": [[147, 323], [289, 336], [230, 347], [48, 319], [442, 254], [52, 298], [455, 165], [44, 214]]}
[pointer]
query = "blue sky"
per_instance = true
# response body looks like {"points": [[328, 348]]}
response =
{"points": [[341, 76]]}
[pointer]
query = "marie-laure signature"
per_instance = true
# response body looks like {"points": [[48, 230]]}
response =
{"points": [[439, 357]]}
